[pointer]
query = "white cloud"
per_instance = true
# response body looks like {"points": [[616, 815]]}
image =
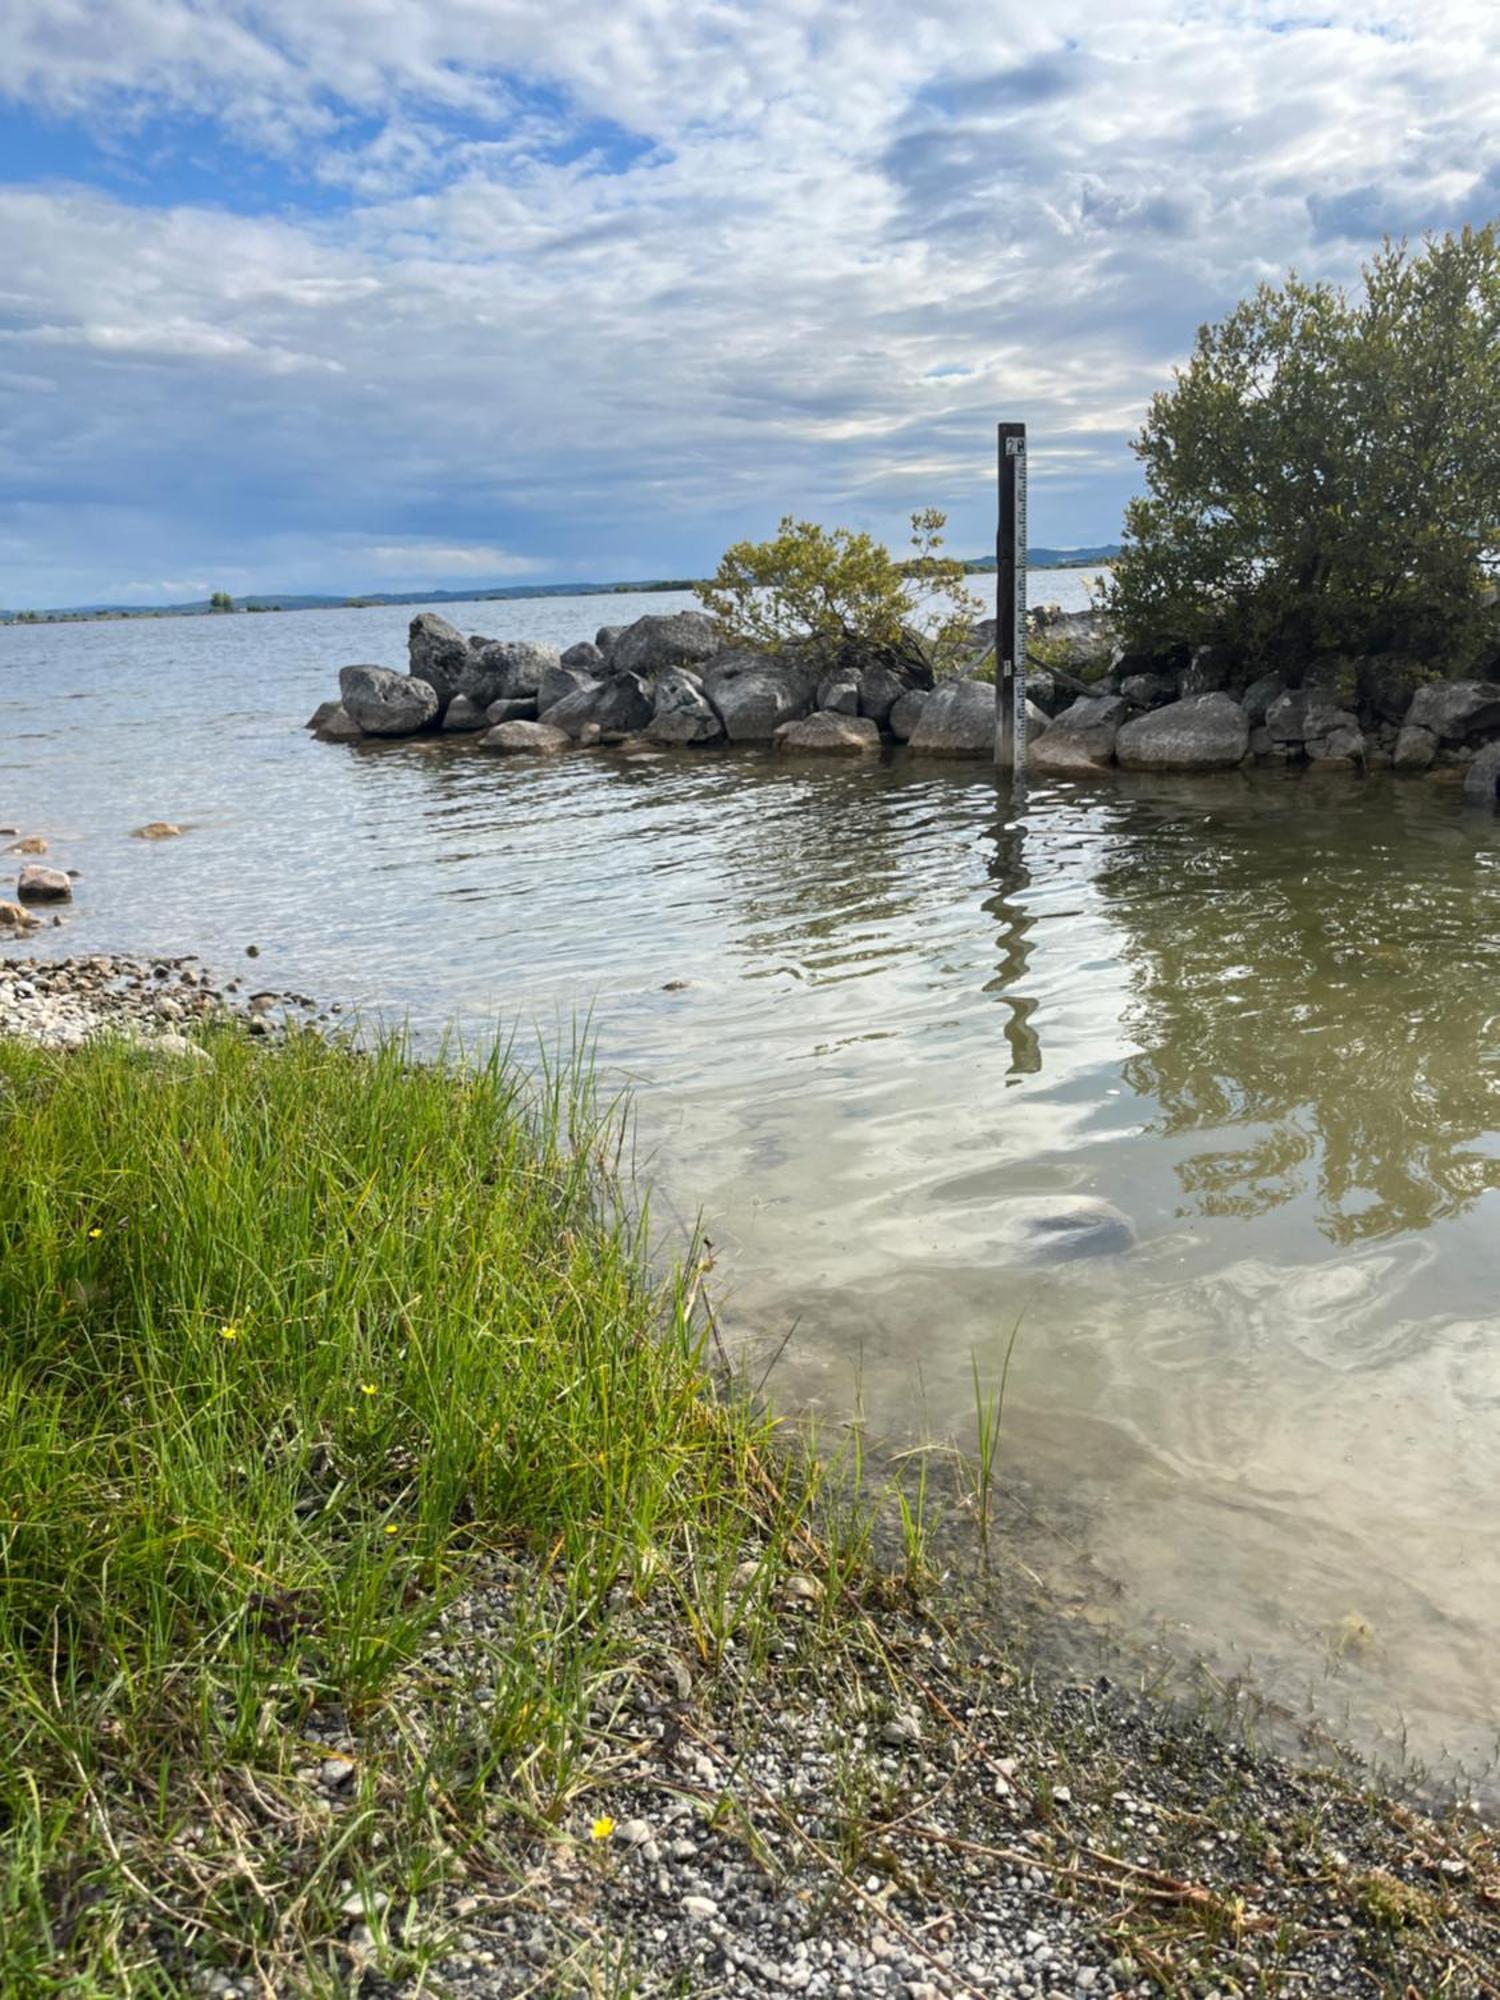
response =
{"points": [[419, 559], [551, 283]]}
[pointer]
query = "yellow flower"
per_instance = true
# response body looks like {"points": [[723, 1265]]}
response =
{"points": [[229, 1333], [94, 1233], [602, 1828], [367, 1388], [391, 1528]]}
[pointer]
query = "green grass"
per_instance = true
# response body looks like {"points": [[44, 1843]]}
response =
{"points": [[290, 1341]]}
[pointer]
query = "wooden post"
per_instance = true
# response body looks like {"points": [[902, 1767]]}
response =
{"points": [[1010, 602]]}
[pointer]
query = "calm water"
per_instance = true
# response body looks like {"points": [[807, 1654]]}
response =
{"points": [[1261, 1016]]}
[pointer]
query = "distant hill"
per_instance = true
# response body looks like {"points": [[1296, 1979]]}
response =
{"points": [[286, 601]]}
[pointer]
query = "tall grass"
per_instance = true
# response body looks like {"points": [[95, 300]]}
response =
{"points": [[289, 1340]]}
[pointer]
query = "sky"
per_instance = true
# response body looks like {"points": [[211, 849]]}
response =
{"points": [[409, 294]]}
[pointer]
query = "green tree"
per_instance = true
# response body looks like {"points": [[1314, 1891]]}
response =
{"points": [[1323, 476], [221, 601], [842, 589]]}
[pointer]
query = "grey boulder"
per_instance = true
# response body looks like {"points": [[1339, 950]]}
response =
{"points": [[605, 638], [523, 709], [463, 714], [1311, 719], [957, 719], [681, 711], [1258, 697], [1415, 749], [1148, 690], [37, 883], [585, 654], [1204, 732], [880, 688], [1081, 741], [525, 739], [507, 670], [1456, 711], [754, 693], [665, 639], [904, 713], [558, 682], [839, 697], [619, 706], [438, 654], [830, 732], [338, 727], [324, 712], [388, 704]]}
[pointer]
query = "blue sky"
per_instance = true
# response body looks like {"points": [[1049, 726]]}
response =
{"points": [[431, 293]]}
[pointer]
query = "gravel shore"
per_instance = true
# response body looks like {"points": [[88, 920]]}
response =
{"points": [[62, 1001]]}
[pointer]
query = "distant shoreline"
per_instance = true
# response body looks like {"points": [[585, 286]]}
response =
{"points": [[1040, 559]]}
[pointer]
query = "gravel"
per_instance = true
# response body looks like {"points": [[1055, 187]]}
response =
{"points": [[63, 1001]]}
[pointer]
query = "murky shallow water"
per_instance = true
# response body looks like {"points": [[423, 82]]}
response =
{"points": [[1261, 1016]]}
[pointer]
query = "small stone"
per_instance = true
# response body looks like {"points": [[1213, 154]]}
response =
{"points": [[252, 951], [356, 1905], [702, 1909], [157, 829], [336, 1772], [901, 1730], [32, 844], [14, 917]]}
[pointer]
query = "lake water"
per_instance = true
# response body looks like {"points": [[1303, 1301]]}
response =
{"points": [[1260, 1015]]}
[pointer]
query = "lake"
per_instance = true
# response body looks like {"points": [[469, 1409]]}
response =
{"points": [[1258, 1014]]}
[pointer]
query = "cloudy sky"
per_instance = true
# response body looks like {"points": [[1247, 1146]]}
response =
{"points": [[394, 293]]}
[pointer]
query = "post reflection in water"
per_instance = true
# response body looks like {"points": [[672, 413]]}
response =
{"points": [[1007, 869]]}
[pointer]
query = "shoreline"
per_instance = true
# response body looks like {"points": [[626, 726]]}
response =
{"points": [[838, 1782]]}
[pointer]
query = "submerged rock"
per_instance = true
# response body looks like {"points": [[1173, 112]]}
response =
{"points": [[1482, 779], [338, 726], [533, 739], [387, 704], [1055, 1229], [157, 829], [15, 917], [830, 733]]}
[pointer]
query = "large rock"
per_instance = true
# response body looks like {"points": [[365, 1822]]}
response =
{"points": [[525, 739], [905, 712], [507, 670], [1482, 779], [1258, 697], [1211, 670], [1204, 732], [665, 639], [324, 711], [619, 706], [463, 714], [830, 733], [1311, 720], [1148, 690], [957, 720], [754, 693], [438, 653], [880, 688], [605, 639], [37, 883], [558, 682], [387, 704], [523, 709], [1456, 711], [338, 726], [681, 711], [585, 654], [838, 696], [1081, 741], [1415, 748]]}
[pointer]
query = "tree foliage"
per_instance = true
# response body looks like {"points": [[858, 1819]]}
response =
{"points": [[221, 601], [1324, 474], [842, 588]]}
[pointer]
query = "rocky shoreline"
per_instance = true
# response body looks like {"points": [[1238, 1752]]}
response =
{"points": [[678, 681], [63, 1002]]}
